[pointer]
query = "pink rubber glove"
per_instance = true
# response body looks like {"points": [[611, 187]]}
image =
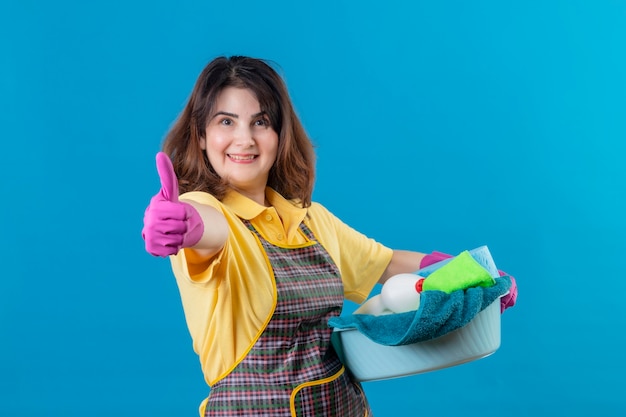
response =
{"points": [[433, 258], [169, 224], [505, 302], [509, 299]]}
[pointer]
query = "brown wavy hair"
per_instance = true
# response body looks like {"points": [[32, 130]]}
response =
{"points": [[293, 172]]}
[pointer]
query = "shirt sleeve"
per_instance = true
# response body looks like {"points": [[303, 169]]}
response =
{"points": [[360, 259]]}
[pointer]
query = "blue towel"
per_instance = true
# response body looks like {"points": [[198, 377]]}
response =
{"points": [[439, 313]]}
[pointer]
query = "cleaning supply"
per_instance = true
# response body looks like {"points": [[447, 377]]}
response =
{"points": [[463, 271], [374, 307], [438, 314], [506, 301], [401, 293], [433, 258]]}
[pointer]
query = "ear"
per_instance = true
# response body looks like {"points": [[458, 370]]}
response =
{"points": [[202, 141]]}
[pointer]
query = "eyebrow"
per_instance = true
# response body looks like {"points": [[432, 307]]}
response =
{"points": [[236, 116]]}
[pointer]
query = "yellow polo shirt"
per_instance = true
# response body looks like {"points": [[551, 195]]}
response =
{"points": [[229, 299]]}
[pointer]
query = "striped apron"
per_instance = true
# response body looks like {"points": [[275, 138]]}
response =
{"points": [[292, 370]]}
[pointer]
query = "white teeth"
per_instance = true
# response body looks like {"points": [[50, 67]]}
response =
{"points": [[242, 158]]}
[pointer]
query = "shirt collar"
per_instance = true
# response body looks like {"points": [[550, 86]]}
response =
{"points": [[290, 212]]}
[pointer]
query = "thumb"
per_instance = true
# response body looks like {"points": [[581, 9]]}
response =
{"points": [[169, 182]]}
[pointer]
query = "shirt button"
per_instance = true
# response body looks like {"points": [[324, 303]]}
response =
{"points": [[279, 236], [268, 217]]}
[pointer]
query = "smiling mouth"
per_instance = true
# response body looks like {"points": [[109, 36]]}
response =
{"points": [[242, 157]]}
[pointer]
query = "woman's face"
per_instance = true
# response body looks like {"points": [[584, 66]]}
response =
{"points": [[240, 143]]}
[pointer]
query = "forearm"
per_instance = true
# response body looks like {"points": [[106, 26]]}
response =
{"points": [[215, 230], [402, 261]]}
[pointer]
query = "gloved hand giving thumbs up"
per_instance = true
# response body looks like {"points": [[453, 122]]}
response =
{"points": [[169, 224]]}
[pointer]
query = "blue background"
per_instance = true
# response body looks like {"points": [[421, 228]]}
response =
{"points": [[439, 126]]}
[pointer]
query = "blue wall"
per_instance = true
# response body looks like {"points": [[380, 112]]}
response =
{"points": [[439, 125]]}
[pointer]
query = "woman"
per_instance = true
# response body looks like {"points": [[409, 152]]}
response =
{"points": [[259, 266]]}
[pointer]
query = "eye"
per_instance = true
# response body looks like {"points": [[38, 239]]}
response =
{"points": [[226, 122], [262, 122]]}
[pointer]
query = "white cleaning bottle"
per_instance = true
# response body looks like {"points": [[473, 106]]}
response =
{"points": [[400, 293], [374, 307]]}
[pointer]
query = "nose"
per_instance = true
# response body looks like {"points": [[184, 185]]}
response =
{"points": [[244, 137]]}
